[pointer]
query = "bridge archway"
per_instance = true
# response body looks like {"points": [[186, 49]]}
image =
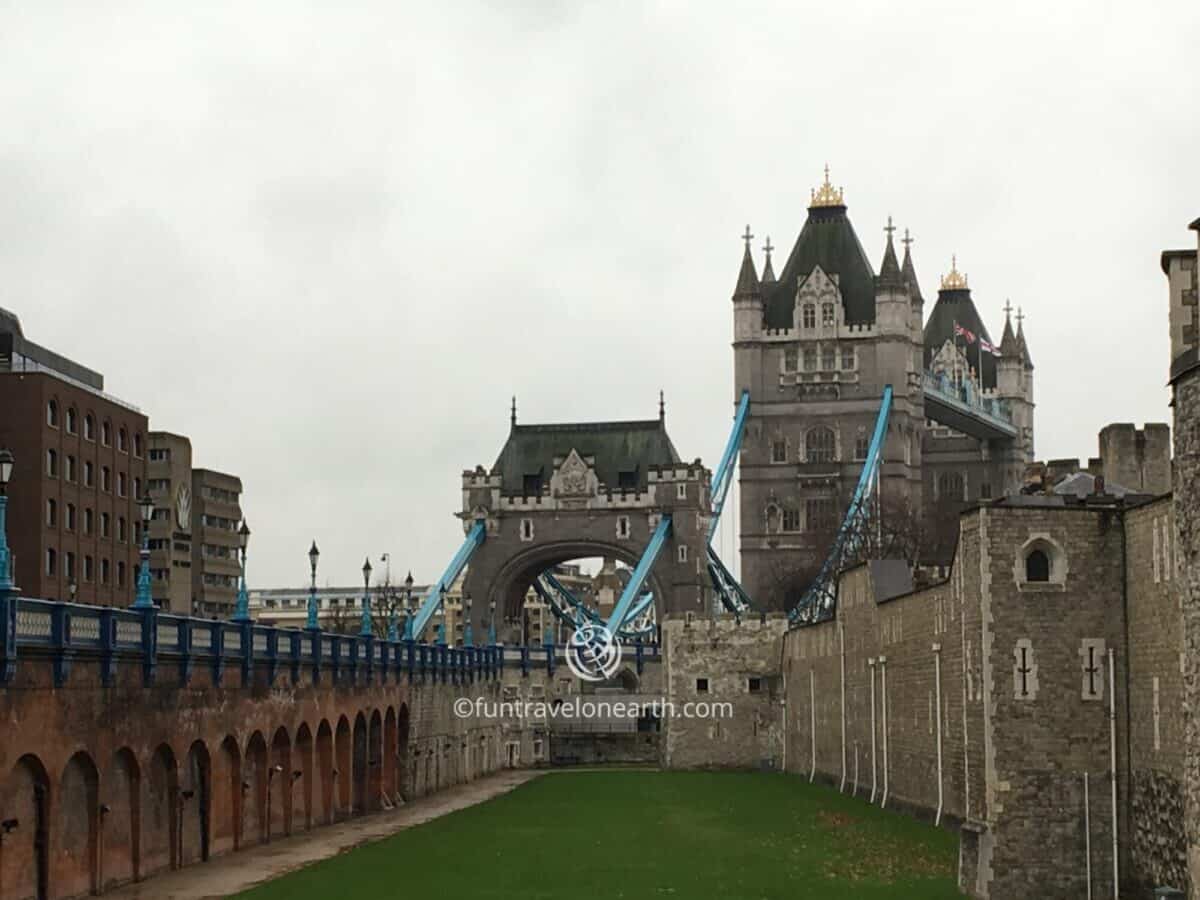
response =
{"points": [[195, 805], [359, 783], [162, 822], [75, 828], [326, 762], [300, 778], [227, 798], [119, 827], [279, 785], [25, 864]]}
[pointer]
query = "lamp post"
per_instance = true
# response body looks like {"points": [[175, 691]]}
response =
{"points": [[312, 624], [467, 637], [365, 628], [492, 623], [143, 599], [241, 612], [6, 467], [408, 608]]}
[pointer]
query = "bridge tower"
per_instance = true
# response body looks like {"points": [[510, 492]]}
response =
{"points": [[815, 348], [559, 492]]}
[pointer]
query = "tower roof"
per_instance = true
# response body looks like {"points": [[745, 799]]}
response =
{"points": [[827, 240], [768, 274], [1008, 340], [1024, 347], [747, 282], [889, 269], [909, 271], [954, 305]]}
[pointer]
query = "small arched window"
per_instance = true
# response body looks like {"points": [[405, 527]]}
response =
{"points": [[772, 516], [809, 316], [106, 434], [950, 486], [123, 441], [71, 426], [52, 414], [1037, 566], [89, 427], [820, 445]]}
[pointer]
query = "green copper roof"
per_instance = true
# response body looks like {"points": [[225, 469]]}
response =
{"points": [[957, 306], [617, 447], [826, 240]]}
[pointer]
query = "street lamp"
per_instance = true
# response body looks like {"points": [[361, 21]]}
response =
{"points": [[492, 623], [6, 467], [467, 642], [312, 624], [408, 608], [143, 599], [241, 612], [365, 628]]}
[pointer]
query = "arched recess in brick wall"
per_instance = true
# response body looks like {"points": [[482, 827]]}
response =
{"points": [[279, 781], [360, 764], [390, 786], [374, 763], [404, 780], [326, 763], [254, 791], [301, 779], [25, 862], [74, 826], [120, 812], [160, 831], [226, 797], [343, 754], [195, 805]]}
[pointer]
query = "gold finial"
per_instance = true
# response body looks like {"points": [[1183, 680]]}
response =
{"points": [[954, 280], [825, 195]]}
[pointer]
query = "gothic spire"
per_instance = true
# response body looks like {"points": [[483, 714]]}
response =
{"points": [[768, 274], [889, 269], [747, 282], [907, 269], [1024, 347], [1009, 347]]}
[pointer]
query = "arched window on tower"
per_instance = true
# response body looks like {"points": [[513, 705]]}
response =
{"points": [[809, 316], [1037, 566], [820, 445], [950, 487], [827, 314]]}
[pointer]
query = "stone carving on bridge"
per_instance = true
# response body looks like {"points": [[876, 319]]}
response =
{"points": [[574, 477]]}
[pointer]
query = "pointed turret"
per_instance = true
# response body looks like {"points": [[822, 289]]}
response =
{"points": [[747, 282], [909, 271], [1008, 341], [1024, 347], [889, 269], [768, 275]]}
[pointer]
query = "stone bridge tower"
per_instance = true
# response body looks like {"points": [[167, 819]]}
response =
{"points": [[565, 491]]}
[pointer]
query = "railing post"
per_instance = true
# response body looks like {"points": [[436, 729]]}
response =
{"points": [[335, 657], [318, 648], [352, 644], [108, 646], [410, 649], [185, 649], [294, 648], [369, 641], [8, 633], [272, 656], [149, 644], [60, 639], [247, 630], [385, 646], [216, 646]]}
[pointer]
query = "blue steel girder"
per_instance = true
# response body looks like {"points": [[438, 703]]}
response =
{"points": [[437, 591], [567, 608], [723, 477], [820, 598], [622, 611], [732, 595]]}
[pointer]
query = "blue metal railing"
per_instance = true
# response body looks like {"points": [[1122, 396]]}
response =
{"points": [[969, 400]]}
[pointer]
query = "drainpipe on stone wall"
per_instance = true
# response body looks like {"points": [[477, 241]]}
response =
{"points": [[1112, 752], [884, 707], [937, 689], [871, 666], [812, 721], [842, 638], [1087, 835]]}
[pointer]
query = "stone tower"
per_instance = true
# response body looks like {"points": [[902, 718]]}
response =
{"points": [[815, 348]]}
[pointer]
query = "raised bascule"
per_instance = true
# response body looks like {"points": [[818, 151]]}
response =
{"points": [[1042, 656]]}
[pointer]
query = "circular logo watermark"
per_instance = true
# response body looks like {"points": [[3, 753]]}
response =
{"points": [[593, 653]]}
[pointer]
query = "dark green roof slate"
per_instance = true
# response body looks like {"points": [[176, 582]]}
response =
{"points": [[617, 447], [957, 306], [826, 240]]}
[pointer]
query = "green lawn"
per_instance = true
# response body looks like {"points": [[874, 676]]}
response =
{"points": [[642, 835]]}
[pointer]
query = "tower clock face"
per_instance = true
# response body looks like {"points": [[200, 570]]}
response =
{"points": [[183, 508]]}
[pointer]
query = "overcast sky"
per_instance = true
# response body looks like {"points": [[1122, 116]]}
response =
{"points": [[328, 245]]}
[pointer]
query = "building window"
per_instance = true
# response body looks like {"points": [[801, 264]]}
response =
{"points": [[681, 491], [779, 450], [70, 468], [847, 357], [103, 524], [137, 488], [137, 446], [861, 445], [754, 685], [950, 487], [120, 484], [104, 571], [531, 485], [51, 561], [1037, 566], [70, 517], [683, 553], [52, 513], [105, 479], [985, 491], [791, 519], [827, 314], [52, 463], [52, 414], [623, 526], [820, 445], [627, 481], [89, 473], [810, 316], [527, 529], [89, 427], [123, 441], [120, 574], [88, 568], [106, 433], [828, 357], [121, 529], [701, 685], [70, 565], [72, 425], [810, 359], [87, 520], [791, 359], [820, 514]]}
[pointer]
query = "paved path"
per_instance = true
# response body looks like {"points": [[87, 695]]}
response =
{"points": [[231, 873]]}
